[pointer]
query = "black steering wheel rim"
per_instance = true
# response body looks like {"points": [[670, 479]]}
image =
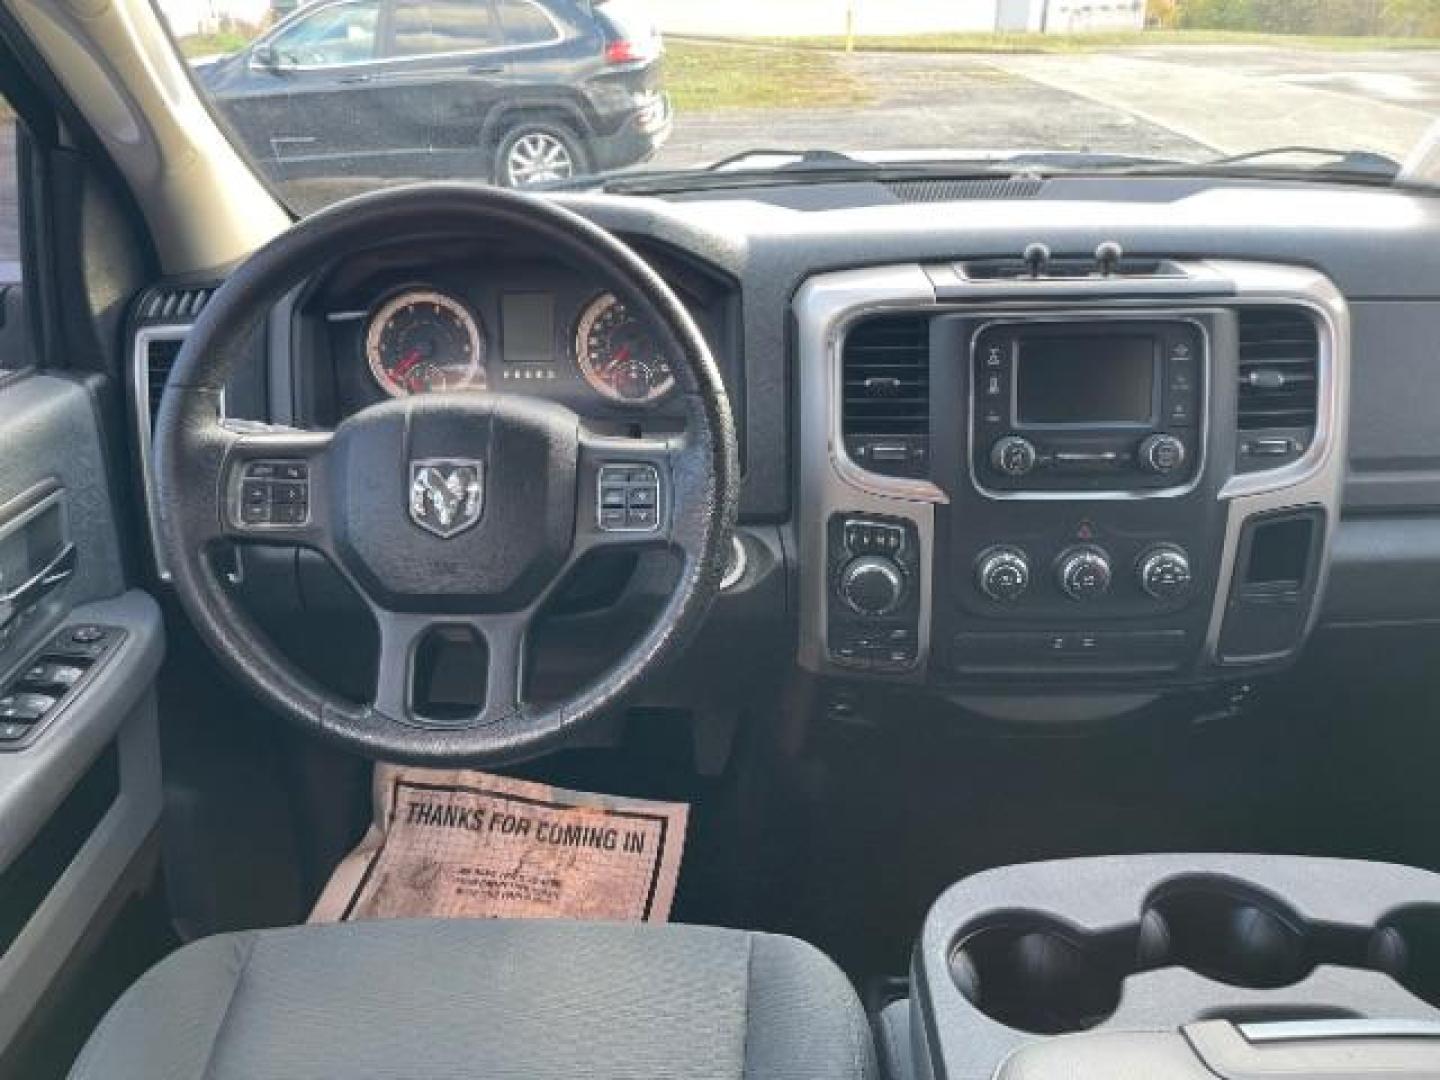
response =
{"points": [[195, 453]]}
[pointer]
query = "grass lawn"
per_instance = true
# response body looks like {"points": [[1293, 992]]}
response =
{"points": [[1079, 43], [212, 44], [703, 77]]}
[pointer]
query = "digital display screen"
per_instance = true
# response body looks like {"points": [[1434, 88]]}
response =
{"points": [[1085, 380], [527, 322]]}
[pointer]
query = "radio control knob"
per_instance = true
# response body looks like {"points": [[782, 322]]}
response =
{"points": [[1013, 455], [1084, 573], [1003, 574], [873, 586], [1162, 454], [1164, 573]]}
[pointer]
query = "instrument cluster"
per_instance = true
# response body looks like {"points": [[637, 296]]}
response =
{"points": [[422, 338], [452, 316]]}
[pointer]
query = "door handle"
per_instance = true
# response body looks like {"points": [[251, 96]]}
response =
{"points": [[14, 602], [487, 69], [351, 79]]}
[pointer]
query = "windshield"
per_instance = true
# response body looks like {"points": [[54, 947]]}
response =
{"points": [[331, 97]]}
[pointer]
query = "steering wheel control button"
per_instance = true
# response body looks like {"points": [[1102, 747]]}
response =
{"points": [[1165, 573], [1013, 456], [1083, 573], [629, 499], [1162, 454], [275, 493], [1003, 574]]}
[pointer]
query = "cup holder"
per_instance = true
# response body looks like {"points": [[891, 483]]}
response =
{"points": [[1226, 932], [1406, 946], [1033, 972]]}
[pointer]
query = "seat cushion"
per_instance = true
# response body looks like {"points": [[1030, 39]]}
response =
{"points": [[486, 1000]]}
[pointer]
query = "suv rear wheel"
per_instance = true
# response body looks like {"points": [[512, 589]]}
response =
{"points": [[538, 151]]}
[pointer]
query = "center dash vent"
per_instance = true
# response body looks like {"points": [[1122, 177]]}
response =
{"points": [[885, 365], [1068, 268], [1279, 381]]}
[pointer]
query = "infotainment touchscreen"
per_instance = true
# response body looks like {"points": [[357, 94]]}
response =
{"points": [[1093, 381]]}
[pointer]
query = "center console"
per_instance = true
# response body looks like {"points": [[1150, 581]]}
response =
{"points": [[1121, 479], [1175, 967]]}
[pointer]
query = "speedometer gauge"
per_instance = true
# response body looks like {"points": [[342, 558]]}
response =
{"points": [[421, 340], [618, 354]]}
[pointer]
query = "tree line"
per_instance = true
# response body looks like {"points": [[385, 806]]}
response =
{"points": [[1341, 18]]}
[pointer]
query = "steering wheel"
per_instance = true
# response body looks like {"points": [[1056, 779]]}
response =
{"points": [[445, 512]]}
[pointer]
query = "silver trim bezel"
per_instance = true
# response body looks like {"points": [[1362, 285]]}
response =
{"points": [[828, 305], [144, 430]]}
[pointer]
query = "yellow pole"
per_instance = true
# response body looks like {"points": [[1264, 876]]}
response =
{"points": [[849, 26]]}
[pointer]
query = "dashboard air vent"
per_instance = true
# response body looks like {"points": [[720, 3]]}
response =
{"points": [[160, 354], [885, 365], [173, 304], [1279, 379]]}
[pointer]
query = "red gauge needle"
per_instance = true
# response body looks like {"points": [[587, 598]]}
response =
{"points": [[408, 361], [621, 355]]}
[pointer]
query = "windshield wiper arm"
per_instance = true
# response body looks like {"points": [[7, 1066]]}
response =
{"points": [[1354, 165], [798, 159], [1335, 160]]}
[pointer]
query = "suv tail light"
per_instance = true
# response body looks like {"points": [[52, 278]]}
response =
{"points": [[625, 51]]}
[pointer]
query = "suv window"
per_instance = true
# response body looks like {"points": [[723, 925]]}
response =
{"points": [[526, 23], [339, 34], [437, 27]]}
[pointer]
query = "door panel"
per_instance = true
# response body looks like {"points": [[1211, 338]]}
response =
{"points": [[447, 62], [313, 108], [80, 800]]}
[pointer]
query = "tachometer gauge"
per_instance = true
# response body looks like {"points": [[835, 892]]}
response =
{"points": [[422, 340], [619, 356]]}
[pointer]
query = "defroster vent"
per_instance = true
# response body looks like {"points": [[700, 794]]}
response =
{"points": [[1279, 382], [886, 413]]}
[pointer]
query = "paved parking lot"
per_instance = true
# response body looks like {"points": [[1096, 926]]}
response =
{"points": [[1167, 102], [1171, 101]]}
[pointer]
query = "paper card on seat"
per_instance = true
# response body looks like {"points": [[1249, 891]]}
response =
{"points": [[465, 844]]}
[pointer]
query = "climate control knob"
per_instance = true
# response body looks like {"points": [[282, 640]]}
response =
{"points": [[1083, 573], [873, 586], [1003, 574], [1013, 455], [1164, 573], [1162, 454]]}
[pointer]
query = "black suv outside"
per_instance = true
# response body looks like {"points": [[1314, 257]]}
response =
{"points": [[516, 92]]}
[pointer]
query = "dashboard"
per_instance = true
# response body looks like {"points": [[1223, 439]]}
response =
{"points": [[1105, 435]]}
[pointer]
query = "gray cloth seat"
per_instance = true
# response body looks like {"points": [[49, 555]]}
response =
{"points": [[486, 1000]]}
